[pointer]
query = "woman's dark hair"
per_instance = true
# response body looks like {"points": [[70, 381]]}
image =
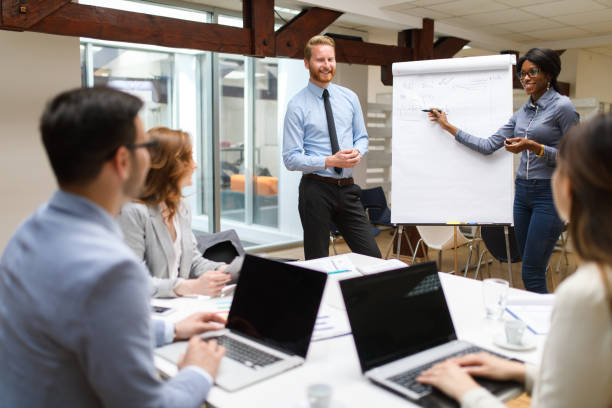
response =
{"points": [[170, 162], [82, 128], [585, 156], [547, 60]]}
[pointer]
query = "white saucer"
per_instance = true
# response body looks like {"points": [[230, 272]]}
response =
{"points": [[529, 342]]}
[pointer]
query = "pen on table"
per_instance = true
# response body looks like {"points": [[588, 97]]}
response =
{"points": [[518, 318], [340, 271]]}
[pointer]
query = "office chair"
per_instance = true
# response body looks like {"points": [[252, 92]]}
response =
{"points": [[375, 205], [494, 239], [441, 238], [495, 243]]}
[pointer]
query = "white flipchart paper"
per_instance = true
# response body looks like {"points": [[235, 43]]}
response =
{"points": [[435, 179]]}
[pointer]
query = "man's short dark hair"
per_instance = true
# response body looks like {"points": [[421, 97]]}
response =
{"points": [[82, 128]]}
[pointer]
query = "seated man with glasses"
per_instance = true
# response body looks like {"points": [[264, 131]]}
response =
{"points": [[75, 326]]}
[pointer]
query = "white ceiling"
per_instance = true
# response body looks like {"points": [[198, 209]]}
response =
{"points": [[488, 24], [495, 24]]}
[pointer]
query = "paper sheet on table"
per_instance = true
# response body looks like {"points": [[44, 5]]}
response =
{"points": [[319, 264], [382, 266], [330, 323], [332, 296], [534, 310], [528, 298], [335, 264]]}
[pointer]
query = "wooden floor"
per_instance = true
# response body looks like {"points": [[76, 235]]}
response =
{"points": [[496, 270]]}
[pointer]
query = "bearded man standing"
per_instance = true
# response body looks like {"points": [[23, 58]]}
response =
{"points": [[325, 137]]}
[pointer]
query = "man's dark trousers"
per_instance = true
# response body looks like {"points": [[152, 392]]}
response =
{"points": [[322, 203]]}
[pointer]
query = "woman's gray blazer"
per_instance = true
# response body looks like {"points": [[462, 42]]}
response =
{"points": [[145, 232]]}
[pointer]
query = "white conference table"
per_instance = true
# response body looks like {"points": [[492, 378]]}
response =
{"points": [[334, 361]]}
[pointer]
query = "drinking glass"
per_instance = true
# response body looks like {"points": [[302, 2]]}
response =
{"points": [[494, 295]]}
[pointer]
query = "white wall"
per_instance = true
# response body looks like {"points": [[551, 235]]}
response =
{"points": [[377, 92], [355, 78], [593, 76], [34, 68]]}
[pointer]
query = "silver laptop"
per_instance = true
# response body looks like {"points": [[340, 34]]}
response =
{"points": [[269, 325], [401, 325]]}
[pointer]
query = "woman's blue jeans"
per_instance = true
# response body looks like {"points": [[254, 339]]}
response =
{"points": [[537, 226]]}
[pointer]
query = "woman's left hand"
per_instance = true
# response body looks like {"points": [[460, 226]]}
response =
{"points": [[449, 378], [518, 144]]}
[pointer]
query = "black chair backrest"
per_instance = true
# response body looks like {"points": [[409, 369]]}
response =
{"points": [[375, 202], [221, 252], [222, 246], [495, 240], [333, 229]]}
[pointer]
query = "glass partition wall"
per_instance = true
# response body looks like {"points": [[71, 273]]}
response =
{"points": [[243, 115]]}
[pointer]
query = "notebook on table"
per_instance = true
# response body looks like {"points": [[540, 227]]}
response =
{"points": [[401, 325], [269, 325]]}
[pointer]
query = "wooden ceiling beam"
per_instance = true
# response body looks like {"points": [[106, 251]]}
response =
{"points": [[358, 52], [420, 42], [256, 38], [258, 16], [23, 14], [419, 39], [447, 47], [116, 25], [292, 37]]}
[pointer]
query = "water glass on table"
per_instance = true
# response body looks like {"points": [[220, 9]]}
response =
{"points": [[494, 296]]}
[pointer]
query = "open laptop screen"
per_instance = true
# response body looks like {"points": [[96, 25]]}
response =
{"points": [[397, 313], [277, 304]]}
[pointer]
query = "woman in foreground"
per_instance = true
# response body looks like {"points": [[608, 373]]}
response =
{"points": [[576, 366]]}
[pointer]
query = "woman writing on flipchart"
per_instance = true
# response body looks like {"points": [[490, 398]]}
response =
{"points": [[576, 369], [533, 131], [157, 226]]}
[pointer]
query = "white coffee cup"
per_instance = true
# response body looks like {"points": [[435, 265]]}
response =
{"points": [[514, 331], [494, 294], [319, 395]]}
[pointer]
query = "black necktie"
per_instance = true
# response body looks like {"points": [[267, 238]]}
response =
{"points": [[333, 138]]}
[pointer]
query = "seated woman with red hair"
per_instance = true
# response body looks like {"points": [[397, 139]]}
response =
{"points": [[158, 225]]}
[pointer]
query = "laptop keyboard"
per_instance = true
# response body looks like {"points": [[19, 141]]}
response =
{"points": [[245, 354], [407, 379]]}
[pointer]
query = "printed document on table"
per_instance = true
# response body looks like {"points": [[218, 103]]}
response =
{"points": [[331, 322], [535, 310]]}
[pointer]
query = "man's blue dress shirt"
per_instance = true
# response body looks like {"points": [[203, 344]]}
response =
{"points": [[306, 141]]}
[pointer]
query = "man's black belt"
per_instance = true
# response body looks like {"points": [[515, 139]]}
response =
{"points": [[337, 181]]}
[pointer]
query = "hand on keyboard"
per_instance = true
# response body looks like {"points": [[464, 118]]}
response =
{"points": [[490, 366], [197, 323], [449, 378], [206, 355], [453, 376], [246, 354]]}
